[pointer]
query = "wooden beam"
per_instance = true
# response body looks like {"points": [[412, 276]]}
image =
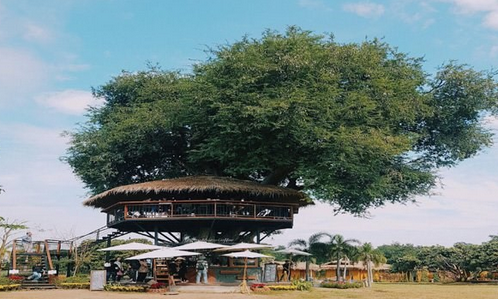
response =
{"points": [[47, 250], [14, 255]]}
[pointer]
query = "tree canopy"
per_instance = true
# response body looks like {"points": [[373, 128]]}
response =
{"points": [[357, 125]]}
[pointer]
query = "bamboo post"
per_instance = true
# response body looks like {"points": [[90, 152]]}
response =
{"points": [[243, 286]]}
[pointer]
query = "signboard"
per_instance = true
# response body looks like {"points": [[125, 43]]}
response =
{"points": [[97, 280], [270, 273]]}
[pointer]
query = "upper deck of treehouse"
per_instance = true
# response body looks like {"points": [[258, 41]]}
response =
{"points": [[185, 203]]}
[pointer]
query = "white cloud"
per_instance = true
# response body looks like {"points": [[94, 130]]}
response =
{"points": [[487, 7], [473, 6], [421, 14], [21, 72], [69, 101], [491, 20], [37, 33], [314, 4], [365, 9]]}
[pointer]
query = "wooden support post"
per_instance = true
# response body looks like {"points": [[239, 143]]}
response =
{"points": [[108, 253], [49, 258], [156, 235], [14, 255]]}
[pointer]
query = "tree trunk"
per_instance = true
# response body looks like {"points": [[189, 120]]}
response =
{"points": [[369, 274], [338, 269], [307, 277], [344, 272]]}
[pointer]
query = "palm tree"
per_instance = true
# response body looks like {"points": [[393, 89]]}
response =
{"points": [[368, 255], [339, 249], [313, 246]]}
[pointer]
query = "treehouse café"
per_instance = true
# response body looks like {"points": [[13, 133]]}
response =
{"points": [[221, 210]]}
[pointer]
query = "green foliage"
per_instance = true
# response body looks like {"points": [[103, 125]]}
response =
{"points": [[302, 285], [356, 125], [74, 285], [75, 279], [90, 258], [123, 288], [11, 287], [7, 228], [282, 287], [4, 280], [341, 285], [314, 245], [464, 261]]}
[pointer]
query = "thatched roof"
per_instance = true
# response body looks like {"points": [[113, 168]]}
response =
{"points": [[198, 187], [357, 265], [299, 266]]}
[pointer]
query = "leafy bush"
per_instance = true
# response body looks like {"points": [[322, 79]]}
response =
{"points": [[74, 285], [302, 285], [11, 279], [10, 287], [75, 279], [282, 287], [120, 288], [341, 285]]}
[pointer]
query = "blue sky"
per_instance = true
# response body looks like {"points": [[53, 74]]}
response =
{"points": [[53, 51]]}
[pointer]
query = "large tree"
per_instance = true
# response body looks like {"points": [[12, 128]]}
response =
{"points": [[7, 230], [357, 125]]}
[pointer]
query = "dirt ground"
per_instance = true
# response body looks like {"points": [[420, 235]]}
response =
{"points": [[378, 291], [86, 294]]}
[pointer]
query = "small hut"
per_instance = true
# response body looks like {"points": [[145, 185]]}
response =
{"points": [[354, 270]]}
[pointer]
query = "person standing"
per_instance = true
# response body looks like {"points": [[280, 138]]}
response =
{"points": [[202, 270], [142, 271], [286, 271], [27, 242], [119, 269]]}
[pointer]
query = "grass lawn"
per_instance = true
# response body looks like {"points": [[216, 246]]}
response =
{"points": [[400, 291]]}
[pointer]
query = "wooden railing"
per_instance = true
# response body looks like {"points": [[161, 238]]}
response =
{"points": [[198, 209]]}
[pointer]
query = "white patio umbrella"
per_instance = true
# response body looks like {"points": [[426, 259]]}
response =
{"points": [[166, 252], [199, 245], [131, 246], [293, 251], [245, 246], [245, 254]]}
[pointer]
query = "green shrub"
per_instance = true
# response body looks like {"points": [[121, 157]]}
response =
{"points": [[121, 288], [4, 280], [74, 285], [79, 279], [341, 285], [302, 285], [282, 287], [11, 287]]}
